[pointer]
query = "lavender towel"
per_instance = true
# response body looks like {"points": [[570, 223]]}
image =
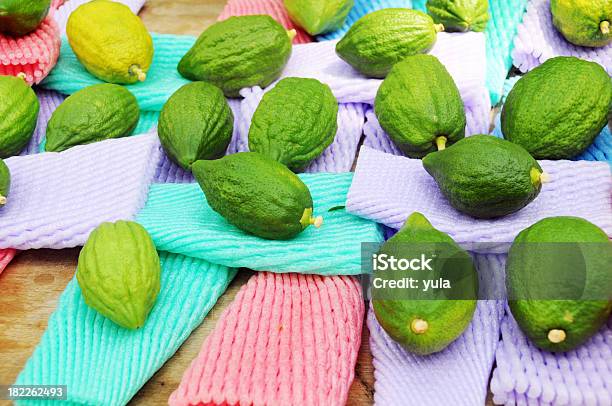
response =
{"points": [[49, 100], [526, 375], [538, 40], [58, 198], [457, 375], [388, 188]]}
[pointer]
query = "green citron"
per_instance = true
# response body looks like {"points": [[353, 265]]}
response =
{"points": [[5, 182], [319, 16], [294, 122], [486, 177], [420, 107], [110, 41], [559, 281], [119, 273], [95, 113], [239, 52], [18, 115], [585, 23], [460, 15], [19, 17], [383, 38], [556, 110], [427, 322], [256, 194], [195, 123]]}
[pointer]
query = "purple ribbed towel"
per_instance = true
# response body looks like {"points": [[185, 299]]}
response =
{"points": [[49, 100], [526, 375], [457, 375], [538, 40], [387, 189], [58, 198]]}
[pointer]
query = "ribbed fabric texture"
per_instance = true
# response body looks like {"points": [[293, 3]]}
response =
{"points": [[388, 188], [538, 40], [600, 150], [63, 12], [274, 8], [285, 340], [58, 198], [104, 364], [361, 8], [526, 375], [458, 375], [6, 256], [49, 101], [34, 54], [180, 221]]}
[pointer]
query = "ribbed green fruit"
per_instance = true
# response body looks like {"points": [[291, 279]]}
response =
{"points": [[556, 110], [294, 122], [239, 52], [427, 322], [460, 15], [18, 115], [486, 177], [5, 182], [19, 17], [319, 16], [559, 281], [195, 123], [420, 107], [95, 113], [586, 23], [119, 273], [256, 194], [383, 38]]}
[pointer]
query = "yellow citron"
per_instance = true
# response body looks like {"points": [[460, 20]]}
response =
{"points": [[110, 41]]}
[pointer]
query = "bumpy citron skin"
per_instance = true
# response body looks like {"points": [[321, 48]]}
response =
{"points": [[256, 194], [18, 112], [294, 122], [119, 273], [485, 177], [418, 103], [5, 183], [551, 321], [426, 325], [383, 38], [18, 17], [110, 41], [195, 123], [556, 110], [239, 52], [460, 15], [95, 113], [319, 16], [584, 22]]}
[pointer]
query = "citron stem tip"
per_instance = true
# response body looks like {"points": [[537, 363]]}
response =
{"points": [[419, 326], [556, 336]]}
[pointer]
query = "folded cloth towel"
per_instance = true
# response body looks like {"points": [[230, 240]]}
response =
{"points": [[458, 375], [286, 339], [6, 256], [361, 8], [180, 221], [58, 198], [538, 40], [526, 375], [274, 8], [338, 157], [63, 12], [34, 54], [600, 150], [104, 364], [388, 189]]}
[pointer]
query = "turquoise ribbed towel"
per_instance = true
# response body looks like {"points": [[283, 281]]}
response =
{"points": [[104, 364], [180, 221]]}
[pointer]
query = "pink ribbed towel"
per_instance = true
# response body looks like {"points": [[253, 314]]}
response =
{"points": [[287, 339], [6, 255], [34, 54], [275, 8]]}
